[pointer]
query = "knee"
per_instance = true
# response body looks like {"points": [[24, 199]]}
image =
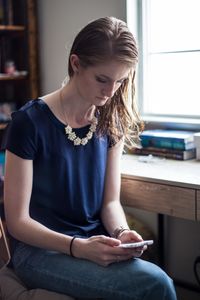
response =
{"points": [[161, 284], [158, 285]]}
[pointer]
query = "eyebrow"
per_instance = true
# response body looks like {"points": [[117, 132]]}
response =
{"points": [[107, 77]]}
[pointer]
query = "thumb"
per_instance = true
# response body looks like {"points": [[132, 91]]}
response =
{"points": [[111, 241]]}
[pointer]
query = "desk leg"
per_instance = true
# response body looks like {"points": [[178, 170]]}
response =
{"points": [[161, 241]]}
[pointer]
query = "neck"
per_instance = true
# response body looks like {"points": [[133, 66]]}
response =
{"points": [[76, 112]]}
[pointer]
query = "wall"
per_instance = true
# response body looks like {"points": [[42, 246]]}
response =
{"points": [[59, 21]]}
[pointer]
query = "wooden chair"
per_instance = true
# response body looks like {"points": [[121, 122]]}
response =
{"points": [[4, 247], [11, 287]]}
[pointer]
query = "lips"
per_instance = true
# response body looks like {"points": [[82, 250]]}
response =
{"points": [[102, 99]]}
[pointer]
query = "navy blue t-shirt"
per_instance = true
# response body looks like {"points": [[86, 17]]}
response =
{"points": [[68, 180]]}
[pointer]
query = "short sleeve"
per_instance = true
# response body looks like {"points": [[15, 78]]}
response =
{"points": [[20, 136]]}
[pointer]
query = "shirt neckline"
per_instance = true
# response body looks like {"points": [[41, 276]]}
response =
{"points": [[53, 117]]}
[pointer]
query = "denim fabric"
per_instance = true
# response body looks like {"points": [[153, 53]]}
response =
{"points": [[135, 279]]}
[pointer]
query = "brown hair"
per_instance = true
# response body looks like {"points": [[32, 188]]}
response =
{"points": [[100, 41]]}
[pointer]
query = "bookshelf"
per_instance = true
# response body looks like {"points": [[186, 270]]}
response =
{"points": [[19, 80]]}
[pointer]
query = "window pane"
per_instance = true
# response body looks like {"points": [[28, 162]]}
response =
{"points": [[172, 84], [173, 25]]}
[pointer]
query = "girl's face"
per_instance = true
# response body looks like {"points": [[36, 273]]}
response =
{"points": [[96, 84]]}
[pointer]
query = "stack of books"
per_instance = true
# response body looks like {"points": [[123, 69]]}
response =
{"points": [[171, 144]]}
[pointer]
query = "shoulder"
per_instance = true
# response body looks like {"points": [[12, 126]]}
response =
{"points": [[29, 115], [28, 108], [23, 133], [22, 129]]}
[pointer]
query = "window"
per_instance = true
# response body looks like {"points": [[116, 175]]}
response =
{"points": [[169, 62]]}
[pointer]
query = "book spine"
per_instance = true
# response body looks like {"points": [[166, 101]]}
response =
{"points": [[172, 154], [1, 12], [10, 12], [6, 12], [169, 143]]}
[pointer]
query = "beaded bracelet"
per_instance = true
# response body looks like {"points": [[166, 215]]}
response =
{"points": [[118, 231], [70, 246]]}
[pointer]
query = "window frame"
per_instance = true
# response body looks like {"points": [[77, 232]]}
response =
{"points": [[136, 11]]}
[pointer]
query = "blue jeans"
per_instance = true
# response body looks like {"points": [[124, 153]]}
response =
{"points": [[134, 279]]}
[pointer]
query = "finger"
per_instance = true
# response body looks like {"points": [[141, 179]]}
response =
{"points": [[137, 235], [138, 253], [110, 241], [131, 235], [145, 248]]}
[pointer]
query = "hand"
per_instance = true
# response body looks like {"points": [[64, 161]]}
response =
{"points": [[101, 249], [128, 236]]}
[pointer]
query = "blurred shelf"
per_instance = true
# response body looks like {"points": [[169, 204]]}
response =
{"points": [[11, 28], [3, 125], [4, 77]]}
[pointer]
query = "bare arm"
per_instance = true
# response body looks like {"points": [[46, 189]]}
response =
{"points": [[17, 193], [112, 214]]}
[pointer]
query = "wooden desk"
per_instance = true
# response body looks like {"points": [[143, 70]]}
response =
{"points": [[166, 186]]}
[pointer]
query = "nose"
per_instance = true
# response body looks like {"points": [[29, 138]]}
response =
{"points": [[109, 90]]}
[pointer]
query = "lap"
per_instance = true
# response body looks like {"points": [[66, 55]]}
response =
{"points": [[50, 270]]}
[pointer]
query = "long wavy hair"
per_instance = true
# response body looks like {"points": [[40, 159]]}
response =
{"points": [[100, 41]]}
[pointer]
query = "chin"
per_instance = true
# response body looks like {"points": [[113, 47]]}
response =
{"points": [[101, 101]]}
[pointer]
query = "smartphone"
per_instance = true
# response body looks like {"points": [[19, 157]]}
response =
{"points": [[136, 244]]}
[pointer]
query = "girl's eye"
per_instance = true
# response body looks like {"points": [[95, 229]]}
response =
{"points": [[101, 80]]}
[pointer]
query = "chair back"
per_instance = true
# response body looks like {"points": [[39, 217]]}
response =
{"points": [[4, 247]]}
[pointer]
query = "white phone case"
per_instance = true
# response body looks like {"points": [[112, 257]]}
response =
{"points": [[136, 244]]}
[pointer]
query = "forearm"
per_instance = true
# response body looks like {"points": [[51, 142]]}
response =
{"points": [[34, 233], [113, 216]]}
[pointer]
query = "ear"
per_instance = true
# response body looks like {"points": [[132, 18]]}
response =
{"points": [[74, 59]]}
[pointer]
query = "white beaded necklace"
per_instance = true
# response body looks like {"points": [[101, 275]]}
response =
{"points": [[71, 135]]}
